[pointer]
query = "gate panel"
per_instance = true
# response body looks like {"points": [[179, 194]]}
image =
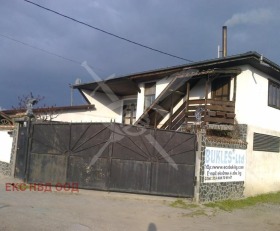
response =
{"points": [[130, 176], [167, 180], [88, 139], [94, 176], [131, 143], [179, 146], [88, 160], [50, 138], [45, 168]]}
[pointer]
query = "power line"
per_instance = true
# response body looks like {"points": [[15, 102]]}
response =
{"points": [[43, 50], [106, 32]]}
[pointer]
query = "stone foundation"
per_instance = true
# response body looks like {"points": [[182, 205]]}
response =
{"points": [[221, 190]]}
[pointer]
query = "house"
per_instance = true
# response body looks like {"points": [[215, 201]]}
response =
{"points": [[12, 120], [220, 94], [230, 105]]}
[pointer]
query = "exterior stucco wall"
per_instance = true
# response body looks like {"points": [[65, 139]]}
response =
{"points": [[8, 148], [106, 109], [262, 168], [251, 105], [160, 86], [140, 101], [198, 91], [87, 116], [5, 146]]}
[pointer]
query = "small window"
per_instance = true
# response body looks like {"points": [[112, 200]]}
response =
{"points": [[150, 94], [266, 143], [274, 94], [129, 111]]}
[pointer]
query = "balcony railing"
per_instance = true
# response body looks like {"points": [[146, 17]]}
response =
{"points": [[210, 111]]}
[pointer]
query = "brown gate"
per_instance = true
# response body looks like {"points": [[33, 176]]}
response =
{"points": [[113, 157]]}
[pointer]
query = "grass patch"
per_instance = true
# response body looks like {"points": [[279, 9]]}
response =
{"points": [[229, 205], [196, 213], [182, 204]]}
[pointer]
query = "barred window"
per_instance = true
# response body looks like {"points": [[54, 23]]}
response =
{"points": [[274, 94]]}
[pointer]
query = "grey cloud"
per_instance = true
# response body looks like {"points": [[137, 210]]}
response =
{"points": [[190, 29]]}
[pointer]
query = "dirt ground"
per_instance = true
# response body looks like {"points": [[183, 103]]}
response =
{"points": [[95, 210]]}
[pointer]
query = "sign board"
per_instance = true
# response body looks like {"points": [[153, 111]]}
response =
{"points": [[224, 165]]}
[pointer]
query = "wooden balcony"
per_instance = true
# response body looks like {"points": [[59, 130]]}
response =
{"points": [[211, 111]]}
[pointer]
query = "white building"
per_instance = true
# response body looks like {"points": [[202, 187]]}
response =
{"points": [[241, 89]]}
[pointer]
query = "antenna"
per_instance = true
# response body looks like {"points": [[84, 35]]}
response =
{"points": [[78, 81]]}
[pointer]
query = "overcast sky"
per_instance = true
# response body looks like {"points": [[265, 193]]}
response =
{"points": [[185, 28]]}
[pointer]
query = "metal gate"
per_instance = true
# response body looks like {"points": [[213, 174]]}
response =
{"points": [[113, 157]]}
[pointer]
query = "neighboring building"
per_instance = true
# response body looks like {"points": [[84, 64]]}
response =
{"points": [[6, 141], [81, 113], [11, 120], [237, 90]]}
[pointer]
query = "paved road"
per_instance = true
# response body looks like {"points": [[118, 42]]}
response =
{"points": [[93, 210]]}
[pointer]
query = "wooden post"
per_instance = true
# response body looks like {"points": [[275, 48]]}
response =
{"points": [[155, 123], [206, 96], [187, 103], [234, 89], [171, 112]]}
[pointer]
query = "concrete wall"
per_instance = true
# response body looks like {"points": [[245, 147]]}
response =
{"points": [[262, 168]]}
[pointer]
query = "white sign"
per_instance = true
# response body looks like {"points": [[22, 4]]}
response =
{"points": [[224, 165]]}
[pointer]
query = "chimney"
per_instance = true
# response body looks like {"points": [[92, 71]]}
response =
{"points": [[224, 41]]}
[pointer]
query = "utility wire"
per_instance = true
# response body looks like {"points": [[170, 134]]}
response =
{"points": [[106, 32], [37, 48]]}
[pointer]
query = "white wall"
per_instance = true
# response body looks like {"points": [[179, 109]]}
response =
{"points": [[106, 110], [262, 168], [251, 100], [198, 91], [6, 142], [140, 101], [87, 116], [251, 108], [160, 86]]}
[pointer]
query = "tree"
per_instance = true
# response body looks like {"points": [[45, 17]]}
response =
{"points": [[29, 102]]}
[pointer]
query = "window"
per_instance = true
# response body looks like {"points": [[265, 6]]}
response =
{"points": [[150, 94], [274, 94], [129, 111], [221, 88], [266, 143]]}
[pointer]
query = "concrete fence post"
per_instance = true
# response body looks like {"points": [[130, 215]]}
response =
{"points": [[197, 165]]}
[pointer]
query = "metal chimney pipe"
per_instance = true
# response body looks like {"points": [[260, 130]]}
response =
{"points": [[224, 41]]}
